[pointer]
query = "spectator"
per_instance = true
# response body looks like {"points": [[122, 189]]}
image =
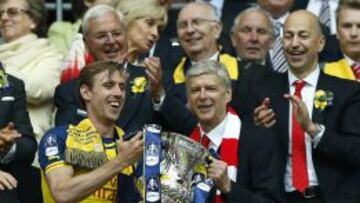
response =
{"points": [[198, 29], [17, 142], [105, 36], [30, 58], [61, 34], [252, 35], [348, 33], [146, 19], [77, 56], [279, 10]]}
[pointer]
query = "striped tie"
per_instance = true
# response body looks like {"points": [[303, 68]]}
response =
{"points": [[324, 14], [278, 59]]}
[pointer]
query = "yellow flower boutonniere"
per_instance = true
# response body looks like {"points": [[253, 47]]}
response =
{"points": [[3, 79], [138, 85], [323, 99]]}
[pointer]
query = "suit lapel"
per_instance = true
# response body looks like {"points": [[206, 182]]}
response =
{"points": [[323, 84], [133, 100], [283, 109]]}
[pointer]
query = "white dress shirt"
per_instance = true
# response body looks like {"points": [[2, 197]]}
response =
{"points": [[308, 94], [314, 6], [215, 135]]}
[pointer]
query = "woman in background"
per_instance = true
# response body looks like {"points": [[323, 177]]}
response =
{"points": [[28, 56], [146, 20]]}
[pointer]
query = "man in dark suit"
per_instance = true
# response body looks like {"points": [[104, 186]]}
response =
{"points": [[320, 142], [244, 173], [138, 108], [198, 29], [17, 142]]}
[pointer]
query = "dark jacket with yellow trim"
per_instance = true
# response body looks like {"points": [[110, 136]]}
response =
{"points": [[174, 79]]}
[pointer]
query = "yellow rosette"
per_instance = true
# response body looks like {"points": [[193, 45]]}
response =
{"points": [[139, 85], [323, 99]]}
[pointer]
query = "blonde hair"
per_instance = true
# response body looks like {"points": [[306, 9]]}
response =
{"points": [[135, 9]]}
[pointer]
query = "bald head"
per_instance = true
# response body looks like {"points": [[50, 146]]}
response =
{"points": [[305, 17], [302, 42]]}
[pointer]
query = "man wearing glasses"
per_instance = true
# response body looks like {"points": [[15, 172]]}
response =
{"points": [[198, 29]]}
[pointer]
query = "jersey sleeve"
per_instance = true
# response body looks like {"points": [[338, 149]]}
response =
{"points": [[52, 149]]}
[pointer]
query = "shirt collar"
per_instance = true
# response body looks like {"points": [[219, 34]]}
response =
{"points": [[214, 57], [263, 62], [311, 79], [349, 60], [216, 134]]}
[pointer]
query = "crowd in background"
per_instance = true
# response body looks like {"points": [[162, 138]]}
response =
{"points": [[259, 43]]}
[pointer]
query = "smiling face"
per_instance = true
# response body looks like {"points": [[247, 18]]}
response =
{"points": [[253, 37], [348, 32], [15, 21], [144, 33], [198, 31], [106, 38], [105, 99], [208, 98], [302, 42]]}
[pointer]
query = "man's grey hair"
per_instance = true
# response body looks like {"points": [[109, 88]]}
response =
{"points": [[214, 12], [98, 11], [210, 67], [236, 23]]}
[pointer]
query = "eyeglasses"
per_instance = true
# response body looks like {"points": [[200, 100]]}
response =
{"points": [[13, 11], [196, 23]]}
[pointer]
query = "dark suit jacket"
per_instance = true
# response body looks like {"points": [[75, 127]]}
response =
{"points": [[257, 179], [136, 112], [337, 157], [299, 4], [248, 71], [13, 109]]}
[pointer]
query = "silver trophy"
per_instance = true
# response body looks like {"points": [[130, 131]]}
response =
{"points": [[182, 158]]}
